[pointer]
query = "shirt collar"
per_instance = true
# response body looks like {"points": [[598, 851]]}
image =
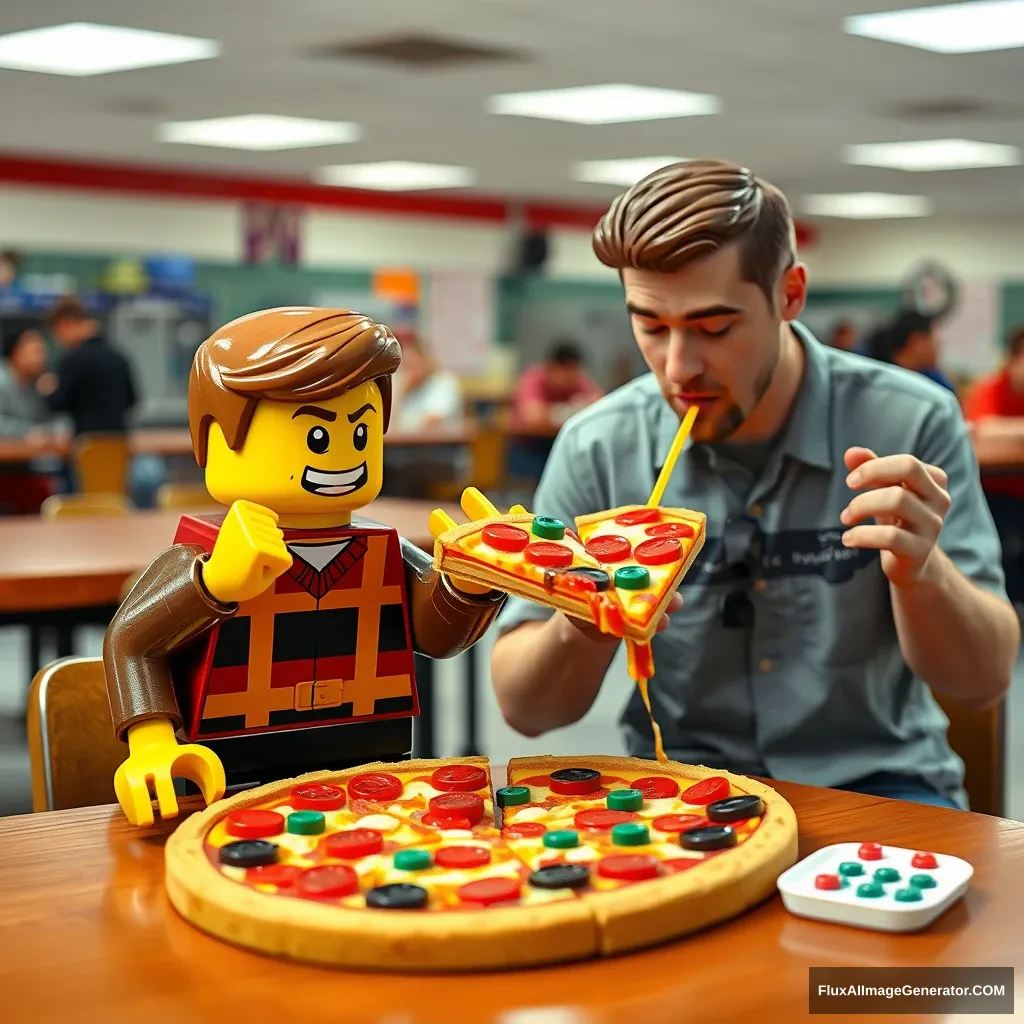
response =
{"points": [[807, 434]]}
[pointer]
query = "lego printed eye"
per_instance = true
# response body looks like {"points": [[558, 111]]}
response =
{"points": [[360, 436], [318, 440]]}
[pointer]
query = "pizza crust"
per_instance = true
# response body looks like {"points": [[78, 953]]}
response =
{"points": [[604, 923]]}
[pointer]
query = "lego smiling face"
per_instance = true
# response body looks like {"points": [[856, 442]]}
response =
{"points": [[304, 458]]}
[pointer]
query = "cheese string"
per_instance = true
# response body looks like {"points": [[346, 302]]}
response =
{"points": [[636, 652], [673, 453]]}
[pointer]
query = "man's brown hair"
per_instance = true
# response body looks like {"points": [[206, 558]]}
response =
{"points": [[67, 308], [694, 208], [291, 354]]}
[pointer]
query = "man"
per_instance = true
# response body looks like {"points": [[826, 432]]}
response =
{"points": [[23, 414], [279, 639], [851, 561], [910, 342], [995, 408], [843, 335], [547, 393], [92, 382], [546, 396]]}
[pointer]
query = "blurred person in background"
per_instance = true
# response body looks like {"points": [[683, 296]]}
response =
{"points": [[910, 342], [25, 415], [546, 396], [92, 383], [426, 397], [549, 393], [843, 335], [995, 407]]}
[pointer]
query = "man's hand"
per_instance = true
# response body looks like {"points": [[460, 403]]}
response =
{"points": [[908, 501], [248, 555]]}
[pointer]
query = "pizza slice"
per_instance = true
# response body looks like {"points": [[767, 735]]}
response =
{"points": [[618, 572]]}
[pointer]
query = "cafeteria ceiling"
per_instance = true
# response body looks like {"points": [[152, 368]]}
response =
{"points": [[791, 89]]}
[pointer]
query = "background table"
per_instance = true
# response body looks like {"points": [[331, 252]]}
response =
{"points": [[87, 934], [65, 573]]}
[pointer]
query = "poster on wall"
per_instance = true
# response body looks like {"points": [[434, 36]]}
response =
{"points": [[461, 320], [969, 337], [272, 233]]}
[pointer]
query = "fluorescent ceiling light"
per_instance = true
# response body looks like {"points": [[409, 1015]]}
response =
{"points": [[933, 155], [621, 172], [867, 206], [259, 131], [605, 104], [950, 28], [82, 48], [396, 176]]}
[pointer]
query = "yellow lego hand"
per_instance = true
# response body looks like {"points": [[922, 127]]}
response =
{"points": [[249, 554], [476, 506], [155, 756]]}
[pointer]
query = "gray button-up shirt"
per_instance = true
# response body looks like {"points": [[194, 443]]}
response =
{"points": [[815, 688]]}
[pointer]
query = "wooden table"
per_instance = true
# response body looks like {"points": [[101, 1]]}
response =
{"points": [[178, 442], [87, 934]]}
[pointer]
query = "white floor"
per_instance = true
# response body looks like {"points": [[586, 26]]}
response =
{"points": [[597, 733]]}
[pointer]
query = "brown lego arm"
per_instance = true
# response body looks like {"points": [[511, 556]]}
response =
{"points": [[167, 608], [445, 621]]}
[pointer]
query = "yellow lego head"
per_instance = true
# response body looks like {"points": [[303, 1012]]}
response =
{"points": [[288, 409]]}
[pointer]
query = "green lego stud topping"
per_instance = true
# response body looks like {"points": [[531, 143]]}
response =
{"points": [[563, 839], [887, 875], [513, 796], [412, 860], [625, 800], [632, 577], [851, 868], [922, 881], [548, 528], [630, 833], [306, 823]]}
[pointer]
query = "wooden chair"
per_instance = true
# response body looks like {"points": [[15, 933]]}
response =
{"points": [[979, 738], [73, 752], [487, 465], [185, 496], [101, 463], [61, 506]]}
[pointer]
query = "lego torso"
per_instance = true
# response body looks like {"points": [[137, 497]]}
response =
{"points": [[329, 643]]}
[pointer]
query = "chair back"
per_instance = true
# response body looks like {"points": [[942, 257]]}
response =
{"points": [[73, 752], [61, 506], [979, 739], [101, 463]]}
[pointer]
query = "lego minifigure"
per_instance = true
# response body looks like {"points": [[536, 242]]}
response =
{"points": [[278, 638]]}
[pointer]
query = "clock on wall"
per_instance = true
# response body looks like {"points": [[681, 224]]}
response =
{"points": [[930, 289]]}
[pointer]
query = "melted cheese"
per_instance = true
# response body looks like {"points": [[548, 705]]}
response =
{"points": [[298, 846], [238, 874], [532, 814], [381, 822]]}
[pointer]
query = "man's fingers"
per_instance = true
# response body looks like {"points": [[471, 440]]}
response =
{"points": [[901, 543], [895, 502], [905, 471], [855, 457]]}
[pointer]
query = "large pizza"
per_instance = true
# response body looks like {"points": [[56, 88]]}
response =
{"points": [[423, 865]]}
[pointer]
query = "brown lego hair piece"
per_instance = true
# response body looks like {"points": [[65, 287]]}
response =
{"points": [[695, 208], [288, 354]]}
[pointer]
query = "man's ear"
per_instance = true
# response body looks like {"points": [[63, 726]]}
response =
{"points": [[793, 292]]}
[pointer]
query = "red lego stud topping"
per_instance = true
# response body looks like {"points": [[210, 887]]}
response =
{"points": [[924, 861], [870, 851], [827, 882]]}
